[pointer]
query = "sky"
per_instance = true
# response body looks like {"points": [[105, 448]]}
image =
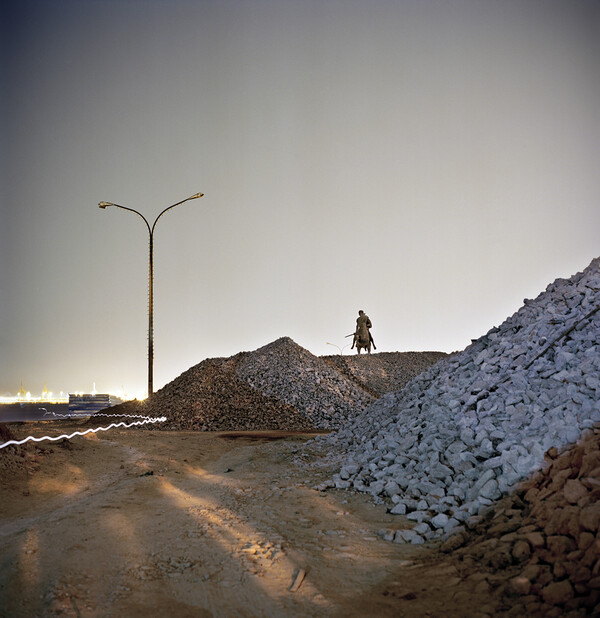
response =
{"points": [[432, 162]]}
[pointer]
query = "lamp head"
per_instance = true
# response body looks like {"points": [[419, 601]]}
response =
{"points": [[105, 204], [195, 197]]}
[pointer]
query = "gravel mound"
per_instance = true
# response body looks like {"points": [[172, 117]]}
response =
{"points": [[280, 386], [465, 431], [543, 538], [210, 396], [384, 372], [291, 374]]}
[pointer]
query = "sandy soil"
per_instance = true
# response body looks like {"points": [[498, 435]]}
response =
{"points": [[143, 523]]}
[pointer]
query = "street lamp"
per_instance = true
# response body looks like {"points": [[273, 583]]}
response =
{"points": [[150, 277], [338, 347]]}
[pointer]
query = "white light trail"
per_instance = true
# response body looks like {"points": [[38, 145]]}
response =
{"points": [[84, 415], [145, 420]]}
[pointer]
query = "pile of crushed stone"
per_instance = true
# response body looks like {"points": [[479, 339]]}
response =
{"points": [[466, 431], [210, 396], [543, 539], [384, 372], [290, 373], [280, 386]]}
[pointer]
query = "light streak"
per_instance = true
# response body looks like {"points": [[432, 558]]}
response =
{"points": [[84, 415], [145, 420]]}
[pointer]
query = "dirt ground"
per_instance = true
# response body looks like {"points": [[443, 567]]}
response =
{"points": [[132, 523]]}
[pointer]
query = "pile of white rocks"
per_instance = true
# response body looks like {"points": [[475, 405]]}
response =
{"points": [[289, 373], [464, 432]]}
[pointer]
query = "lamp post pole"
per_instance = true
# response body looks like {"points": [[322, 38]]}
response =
{"points": [[150, 278]]}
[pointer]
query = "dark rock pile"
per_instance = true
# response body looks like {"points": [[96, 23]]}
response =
{"points": [[384, 372], [279, 386], [545, 537], [210, 396], [289, 373]]}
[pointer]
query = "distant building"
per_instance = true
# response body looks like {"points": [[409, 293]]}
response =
{"points": [[88, 404]]}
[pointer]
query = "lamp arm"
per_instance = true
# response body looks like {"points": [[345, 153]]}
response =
{"points": [[137, 213], [187, 199]]}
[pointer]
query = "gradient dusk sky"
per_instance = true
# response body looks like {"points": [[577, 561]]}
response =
{"points": [[431, 162]]}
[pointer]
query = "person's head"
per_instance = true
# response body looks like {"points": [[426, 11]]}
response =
{"points": [[361, 312]]}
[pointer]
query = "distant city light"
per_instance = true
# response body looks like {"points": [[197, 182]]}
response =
{"points": [[48, 396], [29, 398]]}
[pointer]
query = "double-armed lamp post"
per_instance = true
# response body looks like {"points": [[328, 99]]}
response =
{"points": [[150, 277]]}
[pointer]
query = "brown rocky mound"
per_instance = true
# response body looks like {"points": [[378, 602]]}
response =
{"points": [[542, 543], [281, 386], [209, 397], [384, 372]]}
